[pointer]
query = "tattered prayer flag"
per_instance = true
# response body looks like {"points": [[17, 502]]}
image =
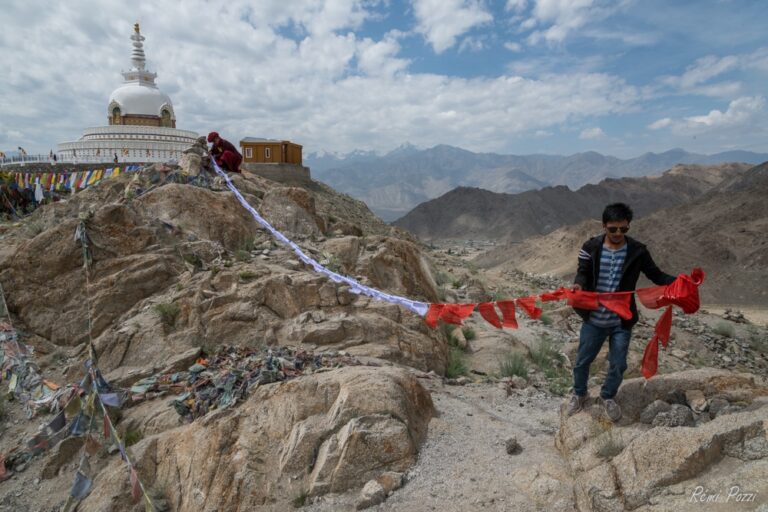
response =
{"points": [[79, 425], [121, 447], [58, 423], [507, 308], [92, 445], [110, 399], [107, 436], [135, 486], [12, 384], [81, 486], [39, 443], [488, 312], [74, 406]]}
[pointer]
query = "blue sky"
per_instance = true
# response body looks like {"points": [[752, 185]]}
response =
{"points": [[510, 76]]}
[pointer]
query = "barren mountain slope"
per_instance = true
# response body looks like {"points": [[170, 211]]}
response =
{"points": [[725, 232], [469, 213]]}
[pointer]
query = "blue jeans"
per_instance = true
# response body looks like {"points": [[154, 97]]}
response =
{"points": [[590, 342]]}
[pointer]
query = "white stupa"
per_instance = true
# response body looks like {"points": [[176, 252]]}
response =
{"points": [[142, 123]]}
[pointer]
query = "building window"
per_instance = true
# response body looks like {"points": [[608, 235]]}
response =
{"points": [[267, 153], [248, 152]]}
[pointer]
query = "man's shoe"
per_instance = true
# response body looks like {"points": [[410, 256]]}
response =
{"points": [[612, 409], [575, 404]]}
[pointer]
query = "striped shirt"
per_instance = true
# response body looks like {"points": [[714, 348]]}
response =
{"points": [[608, 281]]}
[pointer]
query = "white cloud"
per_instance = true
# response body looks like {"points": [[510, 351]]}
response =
{"points": [[740, 112], [516, 5], [566, 16], [702, 71], [513, 47], [472, 44], [661, 123], [443, 21], [592, 133]]}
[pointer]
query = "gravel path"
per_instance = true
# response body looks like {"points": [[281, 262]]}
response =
{"points": [[464, 464]]}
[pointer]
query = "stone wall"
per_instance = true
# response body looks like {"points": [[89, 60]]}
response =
{"points": [[289, 174]]}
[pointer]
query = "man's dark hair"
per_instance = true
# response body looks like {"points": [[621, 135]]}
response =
{"points": [[616, 212]]}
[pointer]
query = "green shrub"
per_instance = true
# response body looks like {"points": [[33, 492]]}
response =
{"points": [[552, 364], [300, 500], [132, 437], [247, 275], [167, 311], [724, 329], [242, 255], [513, 364], [469, 333], [3, 412], [546, 319], [456, 284], [456, 364]]}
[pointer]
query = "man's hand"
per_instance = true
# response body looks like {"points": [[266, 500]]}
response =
{"points": [[576, 288]]}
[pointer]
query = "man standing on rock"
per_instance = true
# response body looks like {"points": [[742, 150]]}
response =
{"points": [[609, 262], [226, 155]]}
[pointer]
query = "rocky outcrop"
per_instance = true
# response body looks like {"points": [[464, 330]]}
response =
{"points": [[634, 465], [328, 432], [178, 266]]}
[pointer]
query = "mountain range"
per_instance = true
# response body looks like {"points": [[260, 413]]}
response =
{"points": [[394, 183], [472, 213]]}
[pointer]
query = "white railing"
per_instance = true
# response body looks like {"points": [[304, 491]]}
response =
{"points": [[44, 159], [26, 159]]}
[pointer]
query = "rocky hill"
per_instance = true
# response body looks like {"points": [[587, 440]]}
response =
{"points": [[393, 184], [251, 382], [466, 213], [725, 231], [178, 268]]}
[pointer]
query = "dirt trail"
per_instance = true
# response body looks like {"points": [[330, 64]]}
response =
{"points": [[464, 464]]}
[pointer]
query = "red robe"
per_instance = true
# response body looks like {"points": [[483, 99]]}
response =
{"points": [[226, 155]]}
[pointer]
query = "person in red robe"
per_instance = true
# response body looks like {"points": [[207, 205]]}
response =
{"points": [[226, 155]]}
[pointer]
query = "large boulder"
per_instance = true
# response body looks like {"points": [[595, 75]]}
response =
{"points": [[633, 465], [326, 432]]}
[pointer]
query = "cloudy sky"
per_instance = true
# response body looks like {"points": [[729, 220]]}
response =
{"points": [[511, 76]]}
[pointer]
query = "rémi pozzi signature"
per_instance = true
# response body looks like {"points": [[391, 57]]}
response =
{"points": [[733, 494]]}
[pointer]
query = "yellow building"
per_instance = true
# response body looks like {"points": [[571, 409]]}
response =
{"points": [[266, 151]]}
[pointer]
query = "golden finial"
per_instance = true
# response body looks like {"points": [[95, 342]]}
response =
{"points": [[136, 27]]}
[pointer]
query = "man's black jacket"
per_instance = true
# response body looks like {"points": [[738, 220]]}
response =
{"points": [[638, 260]]}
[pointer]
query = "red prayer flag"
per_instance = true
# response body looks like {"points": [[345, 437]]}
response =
{"points": [[618, 303], [488, 312], [433, 314], [583, 300], [135, 486], [456, 313], [529, 305], [559, 294], [507, 308], [651, 297], [661, 334]]}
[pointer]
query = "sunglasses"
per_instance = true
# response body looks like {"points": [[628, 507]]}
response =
{"points": [[614, 229]]}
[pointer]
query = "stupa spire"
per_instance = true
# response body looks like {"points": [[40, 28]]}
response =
{"points": [[137, 58], [138, 71]]}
